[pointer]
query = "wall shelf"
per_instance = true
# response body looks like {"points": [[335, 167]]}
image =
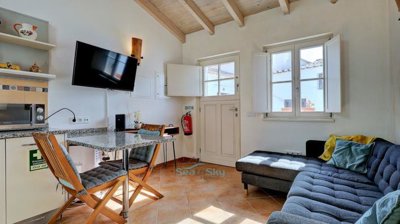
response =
{"points": [[25, 74], [12, 39]]}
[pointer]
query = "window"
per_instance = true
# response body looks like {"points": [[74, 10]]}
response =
{"points": [[220, 77], [298, 79]]}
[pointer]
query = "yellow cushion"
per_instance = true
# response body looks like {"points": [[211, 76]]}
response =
{"points": [[330, 144]]}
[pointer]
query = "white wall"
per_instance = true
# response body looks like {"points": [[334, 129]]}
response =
{"points": [[111, 25], [367, 107], [394, 32]]}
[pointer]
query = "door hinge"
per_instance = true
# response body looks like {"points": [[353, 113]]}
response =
{"points": [[200, 150], [199, 109]]}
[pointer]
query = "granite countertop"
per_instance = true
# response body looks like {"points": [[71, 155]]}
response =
{"points": [[113, 141], [69, 132]]}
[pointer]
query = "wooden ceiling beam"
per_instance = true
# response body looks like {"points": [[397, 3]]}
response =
{"points": [[162, 19], [333, 1], [398, 4], [191, 6], [234, 11], [285, 6]]}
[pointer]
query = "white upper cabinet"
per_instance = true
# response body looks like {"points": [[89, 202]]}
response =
{"points": [[184, 80], [333, 102]]}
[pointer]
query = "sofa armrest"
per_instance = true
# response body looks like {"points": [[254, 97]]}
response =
{"points": [[286, 218], [314, 148]]}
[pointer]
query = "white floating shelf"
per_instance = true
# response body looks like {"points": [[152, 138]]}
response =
{"points": [[8, 38], [25, 74]]}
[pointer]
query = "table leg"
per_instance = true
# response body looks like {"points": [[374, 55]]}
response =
{"points": [[125, 196], [173, 147], [165, 147]]}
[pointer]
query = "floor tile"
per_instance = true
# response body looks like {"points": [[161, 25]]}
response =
{"points": [[204, 193]]}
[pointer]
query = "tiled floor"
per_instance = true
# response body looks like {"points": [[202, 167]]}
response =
{"points": [[204, 194]]}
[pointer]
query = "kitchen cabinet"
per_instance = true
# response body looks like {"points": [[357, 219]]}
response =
{"points": [[184, 80], [29, 193], [2, 181]]}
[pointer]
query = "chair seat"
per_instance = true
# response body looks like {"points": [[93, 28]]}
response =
{"points": [[100, 175], [134, 164]]}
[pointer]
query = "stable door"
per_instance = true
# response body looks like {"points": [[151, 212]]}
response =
{"points": [[220, 132]]}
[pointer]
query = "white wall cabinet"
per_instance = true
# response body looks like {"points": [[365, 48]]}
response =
{"points": [[184, 80], [29, 193], [2, 181]]}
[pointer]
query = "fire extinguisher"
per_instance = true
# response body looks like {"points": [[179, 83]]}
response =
{"points": [[186, 122]]}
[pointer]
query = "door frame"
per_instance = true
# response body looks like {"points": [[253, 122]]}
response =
{"points": [[218, 60]]}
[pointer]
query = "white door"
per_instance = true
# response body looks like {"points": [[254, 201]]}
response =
{"points": [[220, 132], [219, 115]]}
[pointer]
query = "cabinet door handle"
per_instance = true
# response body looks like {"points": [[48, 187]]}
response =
{"points": [[32, 144]]}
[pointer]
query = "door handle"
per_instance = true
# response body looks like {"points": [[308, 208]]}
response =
{"points": [[235, 109]]}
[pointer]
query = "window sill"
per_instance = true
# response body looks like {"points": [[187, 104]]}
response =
{"points": [[300, 119]]}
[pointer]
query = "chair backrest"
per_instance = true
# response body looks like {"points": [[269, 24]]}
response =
{"points": [[148, 153], [57, 160]]}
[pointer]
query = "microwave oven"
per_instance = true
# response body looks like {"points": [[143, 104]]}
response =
{"points": [[22, 116]]}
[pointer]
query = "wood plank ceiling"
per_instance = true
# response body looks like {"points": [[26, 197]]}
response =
{"points": [[182, 17]]}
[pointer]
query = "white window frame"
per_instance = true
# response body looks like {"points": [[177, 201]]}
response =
{"points": [[295, 46], [217, 61]]}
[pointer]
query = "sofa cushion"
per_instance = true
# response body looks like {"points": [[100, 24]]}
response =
{"points": [[351, 155], [277, 165], [316, 210], [331, 143], [387, 176], [286, 167], [341, 193], [386, 210], [380, 148]]}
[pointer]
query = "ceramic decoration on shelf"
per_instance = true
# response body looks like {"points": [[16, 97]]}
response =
{"points": [[26, 30], [35, 68], [8, 65]]}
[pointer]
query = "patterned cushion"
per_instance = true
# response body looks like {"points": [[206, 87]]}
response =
{"points": [[101, 175], [386, 210], [146, 152], [351, 155], [387, 176]]}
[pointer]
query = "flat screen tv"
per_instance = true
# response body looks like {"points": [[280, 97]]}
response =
{"points": [[101, 68]]}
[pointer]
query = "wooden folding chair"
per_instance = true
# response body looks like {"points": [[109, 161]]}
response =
{"points": [[141, 163], [82, 186]]}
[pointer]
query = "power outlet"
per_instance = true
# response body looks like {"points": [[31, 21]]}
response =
{"points": [[82, 120]]}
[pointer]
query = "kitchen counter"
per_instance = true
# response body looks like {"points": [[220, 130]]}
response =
{"points": [[69, 132]]}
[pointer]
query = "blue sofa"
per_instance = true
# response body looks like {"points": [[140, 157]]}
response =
{"points": [[318, 192]]}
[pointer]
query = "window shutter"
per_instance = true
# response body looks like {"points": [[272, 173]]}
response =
{"points": [[333, 75], [184, 80], [261, 83]]}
